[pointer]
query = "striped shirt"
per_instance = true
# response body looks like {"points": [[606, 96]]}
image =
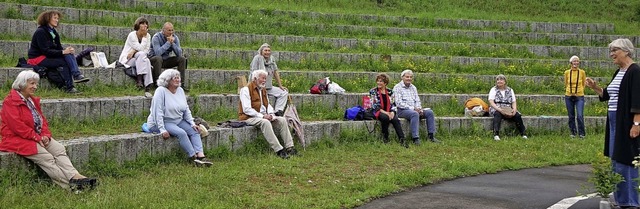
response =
{"points": [[406, 97], [613, 90]]}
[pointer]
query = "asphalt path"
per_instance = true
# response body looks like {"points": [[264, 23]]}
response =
{"points": [[536, 188]]}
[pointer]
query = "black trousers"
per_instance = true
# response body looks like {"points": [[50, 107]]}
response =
{"points": [[497, 122], [158, 64], [384, 124]]}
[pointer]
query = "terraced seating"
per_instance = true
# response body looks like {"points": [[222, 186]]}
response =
{"points": [[464, 42], [128, 147]]}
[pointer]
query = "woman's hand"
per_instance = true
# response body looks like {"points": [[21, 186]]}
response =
{"points": [[635, 130], [392, 115], [165, 135], [590, 83], [195, 127], [68, 50], [44, 141], [131, 54]]}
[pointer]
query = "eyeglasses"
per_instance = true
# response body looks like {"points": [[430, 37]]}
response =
{"points": [[614, 50]]}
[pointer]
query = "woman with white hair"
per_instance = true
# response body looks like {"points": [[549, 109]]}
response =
{"points": [[25, 131], [134, 54], [623, 119], [502, 100], [574, 80], [264, 61], [170, 116]]}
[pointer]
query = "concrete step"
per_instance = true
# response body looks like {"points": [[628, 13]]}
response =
{"points": [[20, 48], [542, 27], [130, 106], [225, 77], [586, 53], [129, 147]]}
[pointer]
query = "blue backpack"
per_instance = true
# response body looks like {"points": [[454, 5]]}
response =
{"points": [[353, 113]]}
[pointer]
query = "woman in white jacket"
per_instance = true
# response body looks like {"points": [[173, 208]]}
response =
{"points": [[134, 53]]}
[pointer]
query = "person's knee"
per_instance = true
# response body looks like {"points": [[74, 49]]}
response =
{"points": [[428, 113], [140, 54]]}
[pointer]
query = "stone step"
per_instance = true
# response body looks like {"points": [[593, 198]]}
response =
{"points": [[225, 77], [20, 48], [541, 27], [584, 52], [130, 106], [129, 147], [93, 32]]}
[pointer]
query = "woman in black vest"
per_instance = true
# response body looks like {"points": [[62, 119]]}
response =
{"points": [[503, 104]]}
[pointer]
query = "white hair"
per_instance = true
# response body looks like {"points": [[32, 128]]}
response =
{"points": [[501, 77], [257, 73], [407, 71], [623, 44], [166, 76], [574, 58], [23, 78]]}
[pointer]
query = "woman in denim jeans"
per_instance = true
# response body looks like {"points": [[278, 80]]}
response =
{"points": [[574, 80]]}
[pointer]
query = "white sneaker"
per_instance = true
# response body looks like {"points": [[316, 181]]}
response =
{"points": [[496, 137], [572, 136], [524, 137], [148, 94]]}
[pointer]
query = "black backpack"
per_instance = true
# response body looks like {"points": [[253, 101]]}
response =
{"points": [[53, 75]]}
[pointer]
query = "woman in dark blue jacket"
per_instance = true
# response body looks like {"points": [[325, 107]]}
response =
{"points": [[46, 51]]}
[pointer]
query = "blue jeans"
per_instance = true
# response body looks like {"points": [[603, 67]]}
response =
{"points": [[189, 138], [574, 106], [626, 194], [73, 64], [414, 118]]}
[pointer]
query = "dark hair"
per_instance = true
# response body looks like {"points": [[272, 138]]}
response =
{"points": [[45, 17], [140, 21], [384, 77]]}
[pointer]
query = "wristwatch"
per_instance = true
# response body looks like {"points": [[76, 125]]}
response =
{"points": [[636, 123]]}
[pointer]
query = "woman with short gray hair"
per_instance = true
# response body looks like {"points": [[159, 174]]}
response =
{"points": [[170, 116], [623, 119], [502, 100], [30, 137]]}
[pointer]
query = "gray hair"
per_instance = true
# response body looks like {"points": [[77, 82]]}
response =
{"points": [[166, 76], [501, 77], [257, 73], [407, 71], [574, 58], [623, 44], [23, 78]]}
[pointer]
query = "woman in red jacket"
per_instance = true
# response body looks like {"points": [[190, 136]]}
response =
{"points": [[25, 131]]}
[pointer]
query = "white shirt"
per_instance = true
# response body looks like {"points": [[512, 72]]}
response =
{"points": [[245, 100], [132, 43]]}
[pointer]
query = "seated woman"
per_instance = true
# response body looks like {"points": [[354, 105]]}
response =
{"points": [[46, 51], [170, 116], [502, 100], [25, 131], [134, 54], [384, 109]]}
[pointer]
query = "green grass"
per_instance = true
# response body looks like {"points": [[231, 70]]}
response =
{"points": [[331, 173]]}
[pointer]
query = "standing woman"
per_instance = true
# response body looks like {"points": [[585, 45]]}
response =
{"points": [[574, 80], [134, 53], [170, 116], [264, 61], [384, 109], [623, 119], [45, 50], [25, 131]]}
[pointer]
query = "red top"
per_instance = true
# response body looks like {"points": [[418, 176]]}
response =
{"points": [[17, 129]]}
